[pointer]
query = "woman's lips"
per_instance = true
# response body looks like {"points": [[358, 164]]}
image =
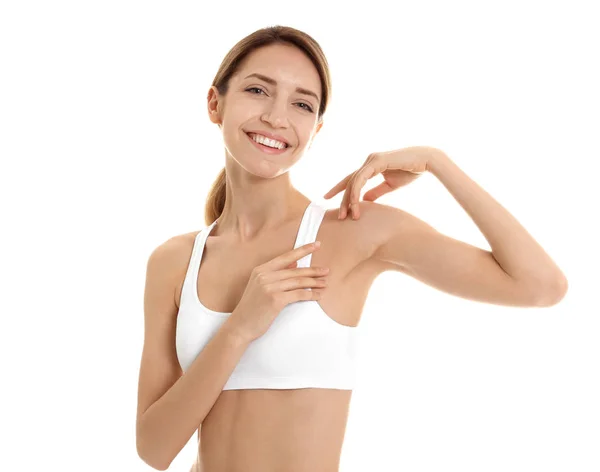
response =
{"points": [[267, 149]]}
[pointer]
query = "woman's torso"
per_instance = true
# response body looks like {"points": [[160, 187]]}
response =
{"points": [[263, 429]]}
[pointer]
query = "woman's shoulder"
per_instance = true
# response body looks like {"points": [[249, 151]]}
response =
{"points": [[361, 234], [174, 256], [176, 250]]}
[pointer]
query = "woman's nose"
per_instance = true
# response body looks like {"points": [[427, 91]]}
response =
{"points": [[276, 114]]}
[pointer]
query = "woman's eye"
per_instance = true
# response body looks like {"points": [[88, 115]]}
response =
{"points": [[308, 107]]}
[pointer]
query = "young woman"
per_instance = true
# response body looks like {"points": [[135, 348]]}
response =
{"points": [[250, 330]]}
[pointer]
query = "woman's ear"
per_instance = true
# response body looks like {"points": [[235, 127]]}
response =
{"points": [[213, 105], [317, 129], [319, 125]]}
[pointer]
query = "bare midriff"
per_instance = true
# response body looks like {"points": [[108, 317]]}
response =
{"points": [[261, 430]]}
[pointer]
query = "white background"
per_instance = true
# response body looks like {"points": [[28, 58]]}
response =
{"points": [[107, 151]]}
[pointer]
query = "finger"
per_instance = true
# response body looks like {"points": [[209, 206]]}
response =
{"points": [[342, 213], [344, 204], [345, 201], [357, 186], [338, 188], [290, 257], [350, 200], [377, 192]]}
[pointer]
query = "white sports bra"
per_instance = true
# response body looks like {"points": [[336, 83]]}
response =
{"points": [[303, 347]]}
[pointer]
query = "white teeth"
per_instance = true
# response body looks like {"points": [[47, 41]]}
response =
{"points": [[267, 142]]}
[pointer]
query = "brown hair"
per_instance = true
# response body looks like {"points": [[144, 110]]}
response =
{"points": [[215, 201]]}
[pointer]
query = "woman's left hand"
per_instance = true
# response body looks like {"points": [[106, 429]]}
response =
{"points": [[398, 168]]}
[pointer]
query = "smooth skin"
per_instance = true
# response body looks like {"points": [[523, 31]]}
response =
{"points": [[517, 271], [302, 430]]}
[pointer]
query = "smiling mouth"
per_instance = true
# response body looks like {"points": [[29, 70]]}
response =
{"points": [[286, 146]]}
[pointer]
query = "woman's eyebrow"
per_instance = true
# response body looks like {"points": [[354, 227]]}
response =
{"points": [[271, 81]]}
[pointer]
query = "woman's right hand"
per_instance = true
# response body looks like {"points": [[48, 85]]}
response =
{"points": [[272, 286]]}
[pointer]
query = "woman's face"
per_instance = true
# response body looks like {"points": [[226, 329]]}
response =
{"points": [[270, 103]]}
